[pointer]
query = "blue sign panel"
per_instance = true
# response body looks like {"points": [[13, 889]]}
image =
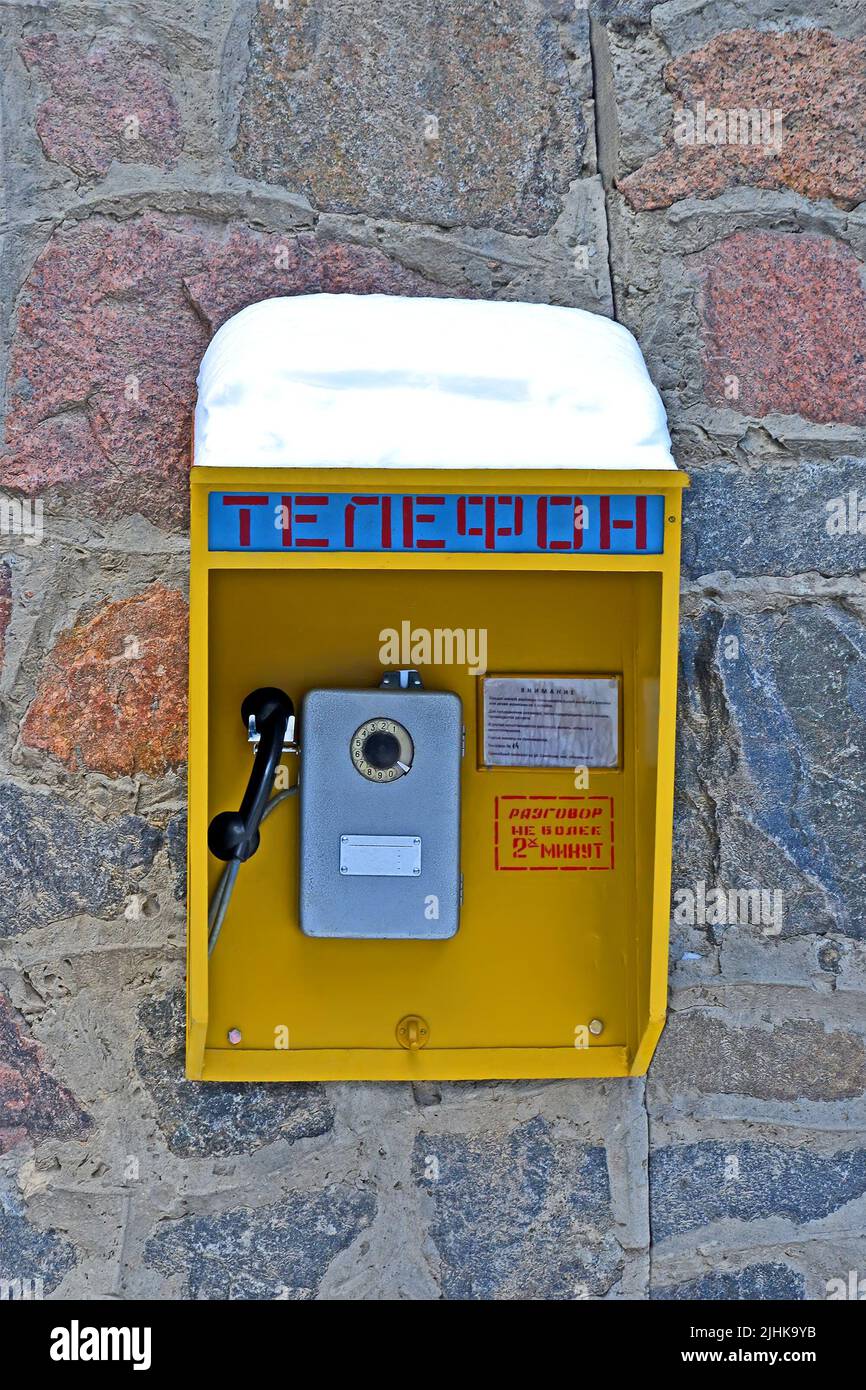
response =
{"points": [[589, 524]]}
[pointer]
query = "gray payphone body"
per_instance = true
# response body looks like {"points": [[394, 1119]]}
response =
{"points": [[380, 814]]}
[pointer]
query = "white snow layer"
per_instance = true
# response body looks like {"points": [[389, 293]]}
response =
{"points": [[381, 381]]}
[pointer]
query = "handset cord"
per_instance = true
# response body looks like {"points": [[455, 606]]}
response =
{"points": [[222, 894]]}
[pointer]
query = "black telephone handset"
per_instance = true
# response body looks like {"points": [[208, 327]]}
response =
{"points": [[234, 835]]}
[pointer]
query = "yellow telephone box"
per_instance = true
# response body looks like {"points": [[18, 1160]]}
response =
{"points": [[434, 583]]}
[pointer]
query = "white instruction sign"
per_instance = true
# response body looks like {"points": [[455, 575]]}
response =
{"points": [[551, 721]]}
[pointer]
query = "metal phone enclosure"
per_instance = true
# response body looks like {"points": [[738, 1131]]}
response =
{"points": [[380, 846]]}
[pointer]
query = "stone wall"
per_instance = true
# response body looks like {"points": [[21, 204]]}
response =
{"points": [[165, 164]]}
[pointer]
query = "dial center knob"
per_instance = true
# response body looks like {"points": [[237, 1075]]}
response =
{"points": [[382, 750]]}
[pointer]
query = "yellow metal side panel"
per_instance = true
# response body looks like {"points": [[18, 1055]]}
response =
{"points": [[656, 995], [646, 658], [197, 791]]}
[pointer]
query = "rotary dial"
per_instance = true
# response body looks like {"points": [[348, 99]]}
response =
{"points": [[382, 750]]}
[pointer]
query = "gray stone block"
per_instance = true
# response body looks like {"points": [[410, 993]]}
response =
{"points": [[218, 1117], [32, 1262], [57, 861], [523, 1217], [779, 521], [789, 1060], [452, 115], [695, 1185], [776, 1282], [770, 759], [277, 1251]]}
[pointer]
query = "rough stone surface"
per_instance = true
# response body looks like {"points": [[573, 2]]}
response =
{"points": [[784, 1061], [5, 606], [783, 520], [218, 1118], [622, 13], [338, 99], [33, 1103], [771, 748], [776, 1282], [109, 101], [113, 693], [56, 861], [176, 840], [684, 27], [786, 317], [697, 1185], [29, 1255], [811, 82], [278, 1251], [114, 422], [527, 1217]]}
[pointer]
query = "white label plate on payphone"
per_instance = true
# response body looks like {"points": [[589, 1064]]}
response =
{"points": [[381, 856]]}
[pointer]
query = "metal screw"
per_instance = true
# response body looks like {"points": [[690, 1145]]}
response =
{"points": [[343, 869], [596, 1026], [234, 1036]]}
